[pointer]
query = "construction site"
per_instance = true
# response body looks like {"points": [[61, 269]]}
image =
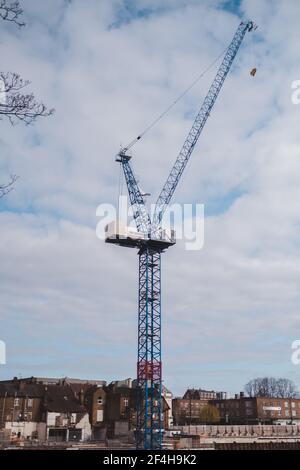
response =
{"points": [[204, 192]]}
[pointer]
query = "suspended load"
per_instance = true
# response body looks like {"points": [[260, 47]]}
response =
{"points": [[253, 72]]}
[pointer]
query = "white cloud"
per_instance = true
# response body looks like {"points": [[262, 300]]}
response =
{"points": [[231, 310]]}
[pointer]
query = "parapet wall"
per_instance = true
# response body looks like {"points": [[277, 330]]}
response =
{"points": [[241, 430]]}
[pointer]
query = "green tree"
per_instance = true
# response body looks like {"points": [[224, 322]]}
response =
{"points": [[210, 414]]}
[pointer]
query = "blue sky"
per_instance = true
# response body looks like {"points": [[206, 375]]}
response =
{"points": [[68, 301], [232, 5]]}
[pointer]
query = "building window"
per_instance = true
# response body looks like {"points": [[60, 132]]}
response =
{"points": [[100, 401], [126, 401], [286, 404], [293, 404], [17, 402], [286, 413], [29, 402], [293, 412]]}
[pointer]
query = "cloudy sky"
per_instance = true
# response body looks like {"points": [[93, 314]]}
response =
{"points": [[109, 67]]}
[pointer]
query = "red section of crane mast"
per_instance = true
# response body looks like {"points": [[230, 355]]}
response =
{"points": [[149, 370]]}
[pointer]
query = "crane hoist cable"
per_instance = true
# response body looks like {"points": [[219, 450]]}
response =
{"points": [[156, 120], [120, 189]]}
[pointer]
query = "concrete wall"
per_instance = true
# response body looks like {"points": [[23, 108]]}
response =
{"points": [[121, 428], [41, 429], [26, 429], [241, 430], [51, 418], [85, 425]]}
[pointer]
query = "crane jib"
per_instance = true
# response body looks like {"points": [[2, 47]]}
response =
{"points": [[198, 125]]}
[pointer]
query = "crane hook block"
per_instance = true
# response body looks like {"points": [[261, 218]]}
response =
{"points": [[253, 72]]}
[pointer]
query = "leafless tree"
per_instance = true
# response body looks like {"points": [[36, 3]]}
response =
{"points": [[286, 388], [249, 389], [11, 12], [7, 187], [253, 388], [15, 104], [271, 388]]}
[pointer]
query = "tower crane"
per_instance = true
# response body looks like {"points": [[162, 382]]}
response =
{"points": [[151, 241]]}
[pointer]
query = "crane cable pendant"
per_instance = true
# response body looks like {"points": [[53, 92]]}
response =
{"points": [[150, 126], [253, 71]]}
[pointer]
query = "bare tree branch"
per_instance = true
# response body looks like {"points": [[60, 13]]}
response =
{"points": [[6, 188], [271, 387], [14, 104], [18, 106], [11, 12]]}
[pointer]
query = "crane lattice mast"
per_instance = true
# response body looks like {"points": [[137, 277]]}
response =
{"points": [[151, 242]]}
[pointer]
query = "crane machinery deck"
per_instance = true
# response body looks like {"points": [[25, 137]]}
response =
{"points": [[151, 241]]}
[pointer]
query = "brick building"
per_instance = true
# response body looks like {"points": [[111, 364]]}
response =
{"points": [[168, 415], [69, 409], [121, 409], [31, 410], [65, 417], [95, 401], [21, 408], [262, 410], [187, 410]]}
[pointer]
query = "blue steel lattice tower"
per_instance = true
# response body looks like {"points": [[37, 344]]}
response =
{"points": [[151, 241]]}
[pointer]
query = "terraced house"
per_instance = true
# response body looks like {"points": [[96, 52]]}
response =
{"points": [[32, 410], [62, 410], [258, 410]]}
